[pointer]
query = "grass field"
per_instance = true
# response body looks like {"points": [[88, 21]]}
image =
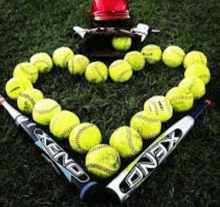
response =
{"points": [[190, 175]]}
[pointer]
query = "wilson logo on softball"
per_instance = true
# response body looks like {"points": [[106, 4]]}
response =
{"points": [[56, 153], [150, 160]]}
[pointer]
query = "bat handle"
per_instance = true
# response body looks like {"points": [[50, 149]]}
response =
{"points": [[195, 114]]}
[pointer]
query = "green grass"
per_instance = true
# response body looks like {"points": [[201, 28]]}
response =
{"points": [[189, 176]]}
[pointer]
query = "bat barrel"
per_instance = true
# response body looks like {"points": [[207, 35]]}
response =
{"points": [[147, 162]]}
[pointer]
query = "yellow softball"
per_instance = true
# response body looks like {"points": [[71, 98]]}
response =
{"points": [[146, 123], [96, 72], [61, 56], [28, 98], [127, 141], [26, 70], [195, 85], [180, 98], [121, 43], [152, 53], [84, 136], [135, 59], [199, 70], [173, 56], [78, 64], [63, 123], [15, 86], [44, 110], [161, 106], [194, 57], [103, 161], [120, 71], [42, 61]]}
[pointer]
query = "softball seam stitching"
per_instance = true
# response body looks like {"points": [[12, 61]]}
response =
{"points": [[67, 130], [27, 71], [79, 133], [14, 89], [99, 167], [122, 74], [42, 61], [100, 74], [97, 148], [46, 111], [65, 59]]}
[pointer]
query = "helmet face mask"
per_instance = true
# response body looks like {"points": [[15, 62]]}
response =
{"points": [[110, 13]]}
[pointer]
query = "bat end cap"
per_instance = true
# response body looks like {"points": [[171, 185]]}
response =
{"points": [[87, 190], [209, 102], [102, 195]]}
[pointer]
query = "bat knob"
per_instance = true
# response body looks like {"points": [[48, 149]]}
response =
{"points": [[208, 102], [88, 190], [102, 195]]}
